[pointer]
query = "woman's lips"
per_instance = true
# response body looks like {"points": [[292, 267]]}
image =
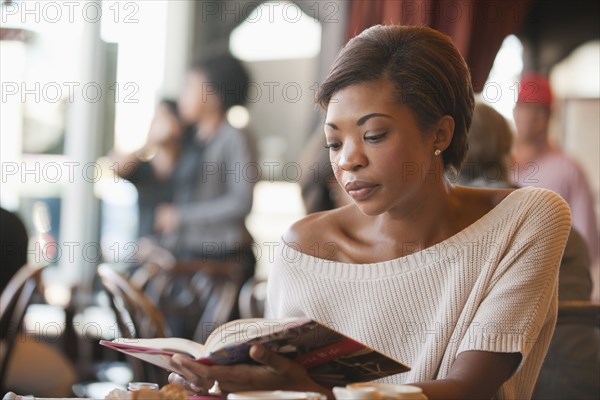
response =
{"points": [[360, 190]]}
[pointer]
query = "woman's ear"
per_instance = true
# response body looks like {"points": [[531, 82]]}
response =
{"points": [[443, 133]]}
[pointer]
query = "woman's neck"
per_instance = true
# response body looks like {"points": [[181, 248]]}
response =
{"points": [[424, 222]]}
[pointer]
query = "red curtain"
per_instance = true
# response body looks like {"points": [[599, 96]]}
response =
{"points": [[477, 27]]}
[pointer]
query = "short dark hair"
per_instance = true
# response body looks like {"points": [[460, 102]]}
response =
{"points": [[171, 105], [429, 76], [229, 77], [490, 142]]}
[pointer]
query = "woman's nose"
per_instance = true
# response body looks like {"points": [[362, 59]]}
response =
{"points": [[352, 157]]}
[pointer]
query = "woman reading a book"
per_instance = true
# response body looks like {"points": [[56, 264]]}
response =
{"points": [[459, 283]]}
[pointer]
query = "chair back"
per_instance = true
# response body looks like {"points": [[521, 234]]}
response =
{"points": [[137, 317], [252, 298], [196, 296], [572, 365], [13, 305], [579, 312], [221, 301], [136, 314]]}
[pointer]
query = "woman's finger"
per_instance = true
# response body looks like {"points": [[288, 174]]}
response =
{"points": [[195, 373], [267, 357], [176, 378]]}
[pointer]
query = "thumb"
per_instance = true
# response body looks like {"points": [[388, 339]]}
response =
{"points": [[262, 355]]}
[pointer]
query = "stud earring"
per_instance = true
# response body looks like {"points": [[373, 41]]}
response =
{"points": [[437, 152]]}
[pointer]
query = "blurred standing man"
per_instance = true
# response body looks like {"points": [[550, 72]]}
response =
{"points": [[539, 163], [215, 176]]}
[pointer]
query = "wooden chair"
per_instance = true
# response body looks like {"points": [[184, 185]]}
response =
{"points": [[572, 366], [579, 312], [221, 301], [137, 317], [13, 305], [252, 299], [197, 296]]}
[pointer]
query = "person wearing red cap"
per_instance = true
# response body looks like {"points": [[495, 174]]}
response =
{"points": [[539, 163]]}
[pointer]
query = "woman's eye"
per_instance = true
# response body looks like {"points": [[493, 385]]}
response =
{"points": [[332, 146], [375, 138]]}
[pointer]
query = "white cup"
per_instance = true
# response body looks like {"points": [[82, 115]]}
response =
{"points": [[391, 391], [269, 394], [133, 386], [358, 393]]}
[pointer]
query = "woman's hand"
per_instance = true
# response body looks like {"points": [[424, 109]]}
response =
{"points": [[274, 373], [166, 218]]}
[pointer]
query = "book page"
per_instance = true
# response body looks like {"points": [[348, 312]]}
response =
{"points": [[175, 345], [243, 330]]}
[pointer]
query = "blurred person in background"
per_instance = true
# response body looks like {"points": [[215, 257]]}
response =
{"points": [[13, 250], [150, 169], [214, 178], [34, 367], [571, 366], [488, 158], [208, 177], [539, 163]]}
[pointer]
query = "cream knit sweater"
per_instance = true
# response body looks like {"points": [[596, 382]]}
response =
{"points": [[490, 287]]}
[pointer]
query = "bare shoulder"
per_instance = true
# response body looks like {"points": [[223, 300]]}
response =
{"points": [[485, 198], [474, 203], [317, 233]]}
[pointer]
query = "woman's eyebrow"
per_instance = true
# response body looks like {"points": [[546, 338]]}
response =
{"points": [[361, 120], [364, 119]]}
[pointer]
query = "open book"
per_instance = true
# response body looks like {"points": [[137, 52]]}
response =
{"points": [[330, 357]]}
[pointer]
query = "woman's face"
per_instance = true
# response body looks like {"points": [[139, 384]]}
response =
{"points": [[531, 121], [379, 154], [165, 126]]}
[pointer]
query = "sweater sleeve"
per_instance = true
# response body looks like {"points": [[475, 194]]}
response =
{"points": [[276, 285], [273, 296], [518, 309]]}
